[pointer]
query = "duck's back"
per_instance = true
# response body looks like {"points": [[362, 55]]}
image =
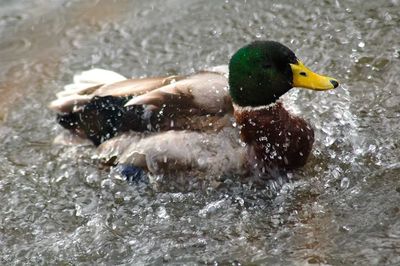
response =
{"points": [[101, 104]]}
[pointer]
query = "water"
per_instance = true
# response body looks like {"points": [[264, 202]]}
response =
{"points": [[59, 208]]}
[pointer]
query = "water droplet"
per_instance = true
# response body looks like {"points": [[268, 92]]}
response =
{"points": [[166, 258], [107, 184], [344, 229], [162, 213], [92, 178], [78, 210], [212, 208], [345, 183]]}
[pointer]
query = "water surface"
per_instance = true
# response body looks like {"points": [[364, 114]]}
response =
{"points": [[343, 208]]}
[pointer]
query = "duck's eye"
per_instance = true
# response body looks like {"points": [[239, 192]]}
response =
{"points": [[266, 65], [303, 74]]}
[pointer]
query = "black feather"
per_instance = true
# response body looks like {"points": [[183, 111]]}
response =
{"points": [[103, 117]]}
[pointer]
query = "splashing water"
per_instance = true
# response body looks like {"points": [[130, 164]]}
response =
{"points": [[59, 207]]}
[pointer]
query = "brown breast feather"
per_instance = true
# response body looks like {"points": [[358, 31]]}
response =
{"points": [[275, 137]]}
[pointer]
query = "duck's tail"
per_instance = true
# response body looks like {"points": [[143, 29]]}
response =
{"points": [[104, 117], [89, 79], [97, 118], [81, 90]]}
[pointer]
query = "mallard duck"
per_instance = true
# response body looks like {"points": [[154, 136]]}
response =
{"points": [[222, 120]]}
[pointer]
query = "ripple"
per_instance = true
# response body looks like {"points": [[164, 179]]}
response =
{"points": [[11, 20], [14, 48]]}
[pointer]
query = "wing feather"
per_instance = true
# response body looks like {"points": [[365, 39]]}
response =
{"points": [[207, 91]]}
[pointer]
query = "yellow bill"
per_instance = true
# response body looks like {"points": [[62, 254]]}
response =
{"points": [[305, 78]]}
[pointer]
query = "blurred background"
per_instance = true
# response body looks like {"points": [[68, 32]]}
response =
{"points": [[342, 208]]}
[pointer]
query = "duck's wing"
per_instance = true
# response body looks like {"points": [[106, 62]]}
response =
{"points": [[98, 107], [206, 92], [174, 151], [100, 83]]}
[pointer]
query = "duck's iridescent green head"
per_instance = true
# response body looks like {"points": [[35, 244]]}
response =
{"points": [[261, 72]]}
